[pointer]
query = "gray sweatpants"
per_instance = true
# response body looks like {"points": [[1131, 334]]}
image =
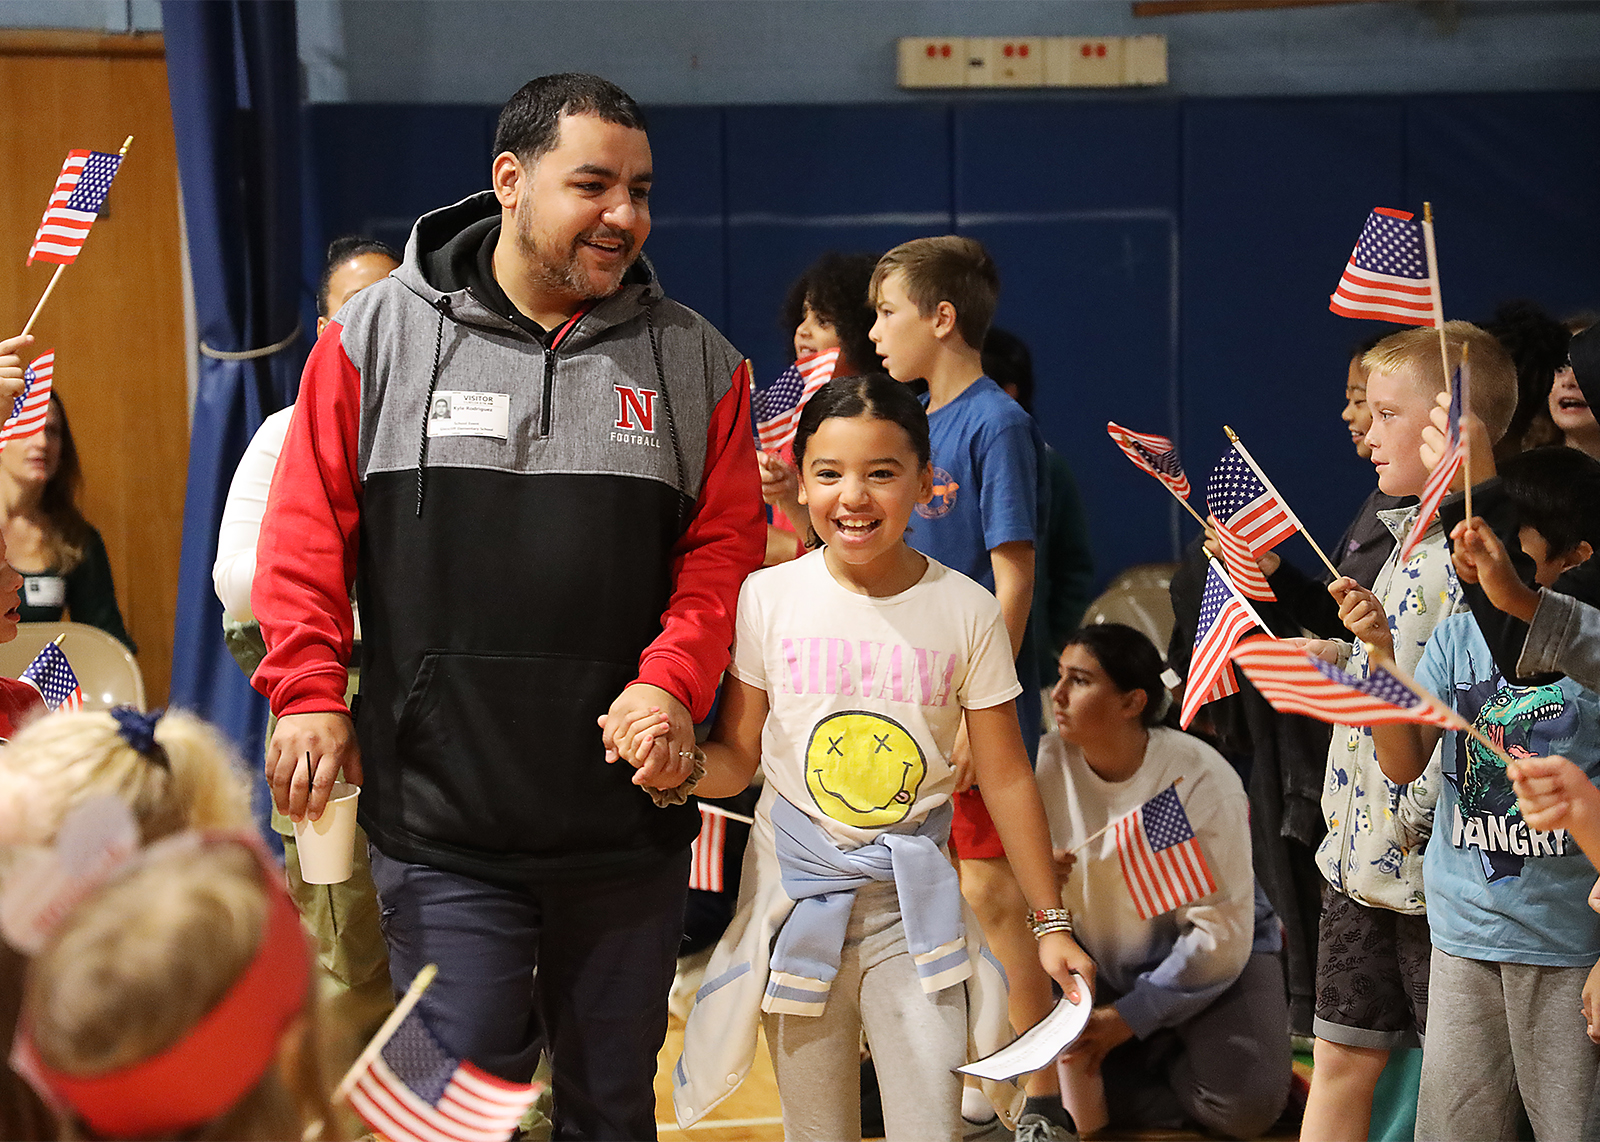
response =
{"points": [[1499, 1036], [916, 1040]]}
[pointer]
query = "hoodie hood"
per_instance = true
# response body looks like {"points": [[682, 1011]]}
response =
{"points": [[440, 259]]}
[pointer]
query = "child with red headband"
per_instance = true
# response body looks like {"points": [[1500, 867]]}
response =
{"points": [[173, 773], [177, 1001]]}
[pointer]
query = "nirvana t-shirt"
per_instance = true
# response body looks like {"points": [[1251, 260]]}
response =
{"points": [[865, 694], [1497, 889]]}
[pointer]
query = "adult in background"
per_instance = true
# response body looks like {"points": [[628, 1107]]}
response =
{"points": [[65, 569], [342, 917], [562, 546]]}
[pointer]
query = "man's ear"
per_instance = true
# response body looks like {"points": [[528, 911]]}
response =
{"points": [[506, 175]]}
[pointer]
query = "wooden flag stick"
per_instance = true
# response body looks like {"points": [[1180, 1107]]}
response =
{"points": [[1456, 720], [44, 297], [1244, 454], [1466, 449], [1237, 594], [1438, 322], [390, 1025], [55, 277], [1186, 504], [1098, 833], [719, 811]]}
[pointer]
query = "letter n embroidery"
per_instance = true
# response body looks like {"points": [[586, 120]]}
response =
{"points": [[636, 408]]}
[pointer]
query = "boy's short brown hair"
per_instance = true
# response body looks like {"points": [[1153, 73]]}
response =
{"points": [[948, 268], [1493, 377]]}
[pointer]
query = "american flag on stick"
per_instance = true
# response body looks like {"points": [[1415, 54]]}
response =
{"points": [[75, 203], [52, 675], [1388, 276], [1224, 616], [1241, 564], [1160, 856], [28, 410], [1155, 454], [777, 407], [413, 1090], [1246, 504], [1294, 681], [1443, 474]]}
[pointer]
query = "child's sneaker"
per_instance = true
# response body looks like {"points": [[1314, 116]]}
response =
{"points": [[1038, 1128]]}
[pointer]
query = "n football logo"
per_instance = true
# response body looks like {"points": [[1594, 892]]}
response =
{"points": [[636, 409]]}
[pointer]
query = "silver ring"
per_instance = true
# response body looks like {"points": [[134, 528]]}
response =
{"points": [[686, 754]]}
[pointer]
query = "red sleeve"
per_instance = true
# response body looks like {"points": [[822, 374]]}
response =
{"points": [[19, 704], [306, 556], [724, 543]]}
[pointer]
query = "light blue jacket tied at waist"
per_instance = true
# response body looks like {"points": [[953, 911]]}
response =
{"points": [[822, 880], [781, 951]]}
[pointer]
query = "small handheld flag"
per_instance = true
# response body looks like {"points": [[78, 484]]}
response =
{"points": [[1160, 856], [1387, 277], [1296, 682], [1223, 618], [75, 203], [1241, 563], [51, 674], [413, 1090], [1243, 503], [29, 410], [1443, 474], [777, 407], [1155, 454]]}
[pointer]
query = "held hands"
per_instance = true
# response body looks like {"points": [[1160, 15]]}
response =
{"points": [[12, 366], [304, 758], [1362, 614], [1481, 558], [650, 730], [1062, 958]]}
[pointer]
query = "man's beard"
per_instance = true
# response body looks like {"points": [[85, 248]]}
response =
{"points": [[561, 271]]}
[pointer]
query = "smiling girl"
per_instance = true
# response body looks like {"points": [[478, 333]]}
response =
{"points": [[853, 668]]}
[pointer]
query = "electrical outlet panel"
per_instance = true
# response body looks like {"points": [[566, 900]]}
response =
{"points": [[1079, 62], [1001, 62], [937, 62]]}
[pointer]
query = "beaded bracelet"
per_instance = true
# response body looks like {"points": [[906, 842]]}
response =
{"points": [[1043, 921]]}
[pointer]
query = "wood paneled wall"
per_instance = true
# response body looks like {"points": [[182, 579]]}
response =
{"points": [[116, 317]]}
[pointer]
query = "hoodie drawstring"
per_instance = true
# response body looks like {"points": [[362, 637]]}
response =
{"points": [[666, 408], [443, 306]]}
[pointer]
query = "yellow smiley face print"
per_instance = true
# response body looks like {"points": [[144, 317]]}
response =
{"points": [[863, 769]]}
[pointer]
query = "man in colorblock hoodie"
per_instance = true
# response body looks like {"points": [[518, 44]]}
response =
{"points": [[539, 476]]}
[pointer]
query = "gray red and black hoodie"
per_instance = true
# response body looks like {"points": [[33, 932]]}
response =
{"points": [[509, 588]]}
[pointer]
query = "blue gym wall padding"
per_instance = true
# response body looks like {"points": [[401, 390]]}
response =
{"points": [[1169, 261]]}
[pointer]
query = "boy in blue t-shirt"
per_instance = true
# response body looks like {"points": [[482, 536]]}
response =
{"points": [[934, 299], [1513, 937]]}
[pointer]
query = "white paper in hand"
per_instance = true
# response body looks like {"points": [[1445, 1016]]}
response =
{"points": [[1039, 1046]]}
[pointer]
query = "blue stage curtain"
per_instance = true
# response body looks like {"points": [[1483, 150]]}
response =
{"points": [[233, 76]]}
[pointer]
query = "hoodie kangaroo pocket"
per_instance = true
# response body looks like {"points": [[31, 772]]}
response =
{"points": [[501, 753]]}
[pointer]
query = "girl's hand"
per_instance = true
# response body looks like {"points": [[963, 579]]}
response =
{"points": [[1554, 794], [1062, 959], [780, 483], [633, 733], [1362, 614], [1480, 448], [1106, 1030], [1268, 561]]}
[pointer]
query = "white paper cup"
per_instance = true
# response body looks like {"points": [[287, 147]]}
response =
{"points": [[327, 846]]}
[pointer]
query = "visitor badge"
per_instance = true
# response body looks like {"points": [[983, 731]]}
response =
{"points": [[470, 414], [45, 591]]}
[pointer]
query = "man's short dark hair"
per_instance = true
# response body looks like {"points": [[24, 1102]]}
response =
{"points": [[1556, 491], [340, 251], [530, 121], [1007, 361]]}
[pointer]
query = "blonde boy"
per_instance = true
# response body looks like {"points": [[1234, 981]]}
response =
{"points": [[934, 299], [1374, 948]]}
